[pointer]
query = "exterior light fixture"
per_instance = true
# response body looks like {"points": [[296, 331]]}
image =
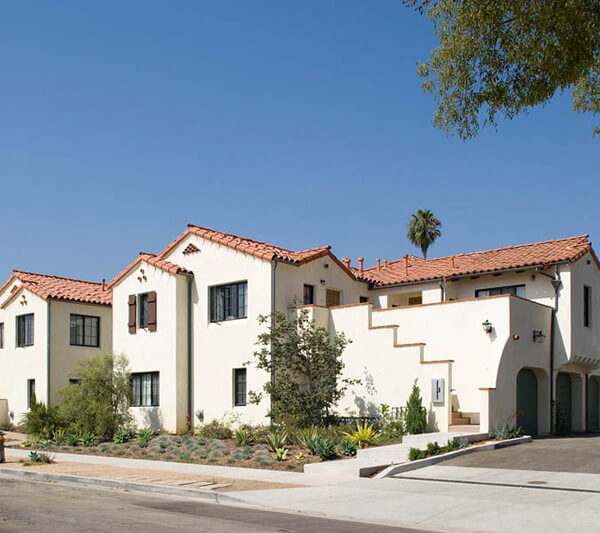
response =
{"points": [[323, 282], [538, 336], [487, 326]]}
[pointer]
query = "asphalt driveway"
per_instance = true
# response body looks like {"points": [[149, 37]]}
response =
{"points": [[578, 454]]}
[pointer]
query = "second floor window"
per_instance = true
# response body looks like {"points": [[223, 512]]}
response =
{"points": [[587, 306], [85, 331], [25, 330], [515, 290], [228, 302], [309, 294]]}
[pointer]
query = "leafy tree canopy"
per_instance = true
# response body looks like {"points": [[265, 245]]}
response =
{"points": [[306, 367], [500, 58]]}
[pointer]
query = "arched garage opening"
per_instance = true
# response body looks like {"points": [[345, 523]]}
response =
{"points": [[593, 402], [563, 398], [527, 401]]}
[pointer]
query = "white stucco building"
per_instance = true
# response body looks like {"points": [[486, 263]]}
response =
{"points": [[501, 335], [47, 324]]}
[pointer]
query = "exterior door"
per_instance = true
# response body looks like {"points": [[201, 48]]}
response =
{"points": [[563, 397], [332, 297], [527, 402], [593, 405]]}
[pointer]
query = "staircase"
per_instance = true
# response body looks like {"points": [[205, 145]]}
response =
{"points": [[462, 423]]}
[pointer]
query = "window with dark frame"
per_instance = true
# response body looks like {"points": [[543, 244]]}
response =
{"points": [[143, 306], [1, 335], [229, 302], [145, 389], [515, 290], [85, 330], [74, 381], [30, 393], [587, 306], [239, 384], [363, 299], [25, 330], [309, 294]]}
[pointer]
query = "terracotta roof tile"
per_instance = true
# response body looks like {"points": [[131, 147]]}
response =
{"points": [[56, 287], [544, 253], [151, 259]]}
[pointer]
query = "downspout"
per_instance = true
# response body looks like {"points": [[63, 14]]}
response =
{"points": [[48, 358], [273, 308], [189, 351], [556, 283]]}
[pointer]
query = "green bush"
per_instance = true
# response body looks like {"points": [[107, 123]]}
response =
{"points": [[416, 414], [73, 439], [393, 428], [348, 448], [326, 449], [146, 434], [215, 430], [433, 448], [87, 439], [40, 457], [307, 438], [99, 402], [122, 436], [364, 435], [60, 437], [457, 443], [243, 436], [414, 454], [41, 420]]}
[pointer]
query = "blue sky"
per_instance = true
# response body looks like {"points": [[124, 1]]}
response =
{"points": [[301, 123]]}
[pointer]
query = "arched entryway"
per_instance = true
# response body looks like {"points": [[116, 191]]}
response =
{"points": [[564, 387], [593, 401], [527, 401]]}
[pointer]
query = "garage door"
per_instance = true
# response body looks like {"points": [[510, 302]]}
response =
{"points": [[563, 397], [527, 402]]}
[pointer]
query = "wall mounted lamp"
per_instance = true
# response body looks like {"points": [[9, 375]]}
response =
{"points": [[487, 326], [538, 336]]}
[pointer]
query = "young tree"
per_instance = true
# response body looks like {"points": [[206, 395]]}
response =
{"points": [[423, 229], [416, 414], [99, 401], [504, 57], [305, 366]]}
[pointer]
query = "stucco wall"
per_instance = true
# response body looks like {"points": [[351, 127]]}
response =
{"points": [[585, 340]]}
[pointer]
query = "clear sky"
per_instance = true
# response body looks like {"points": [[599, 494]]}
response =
{"points": [[300, 123]]}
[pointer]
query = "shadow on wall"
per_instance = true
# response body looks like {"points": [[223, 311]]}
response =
{"points": [[432, 424], [365, 403], [151, 417]]}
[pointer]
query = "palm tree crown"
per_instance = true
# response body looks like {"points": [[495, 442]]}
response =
{"points": [[423, 228]]}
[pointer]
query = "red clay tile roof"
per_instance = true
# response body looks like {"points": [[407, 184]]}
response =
{"points": [[153, 260], [268, 252], [544, 253], [59, 288]]}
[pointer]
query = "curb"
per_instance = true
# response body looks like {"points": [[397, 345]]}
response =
{"points": [[429, 461], [215, 497]]}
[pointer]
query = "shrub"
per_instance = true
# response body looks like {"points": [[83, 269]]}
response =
{"points": [[276, 439], [326, 449], [215, 430], [457, 443], [515, 433], [60, 437], [146, 434], [99, 402], [348, 448], [433, 448], [307, 439], [364, 435], [392, 427], [414, 454], [122, 436], [73, 439], [416, 414], [281, 454], [87, 439], [42, 420], [40, 457], [243, 436]]}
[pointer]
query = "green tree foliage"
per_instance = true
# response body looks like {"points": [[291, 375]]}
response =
{"points": [[99, 403], [501, 58], [423, 229], [305, 365], [416, 414]]}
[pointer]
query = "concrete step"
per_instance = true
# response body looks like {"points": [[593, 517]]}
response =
{"points": [[463, 428], [458, 420]]}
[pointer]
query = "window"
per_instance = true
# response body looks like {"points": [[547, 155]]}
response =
{"points": [[309, 294], [25, 330], [332, 297], [30, 393], [515, 290], [145, 389], [1, 335], [85, 330], [228, 302], [363, 299], [587, 306], [143, 306], [415, 300], [73, 381], [239, 386]]}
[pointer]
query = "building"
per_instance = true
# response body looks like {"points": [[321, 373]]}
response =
{"points": [[47, 324], [494, 337]]}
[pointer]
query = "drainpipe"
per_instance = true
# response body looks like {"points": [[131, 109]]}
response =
{"points": [[48, 358], [556, 283], [189, 351]]}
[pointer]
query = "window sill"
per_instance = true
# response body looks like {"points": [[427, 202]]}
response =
{"points": [[227, 320]]}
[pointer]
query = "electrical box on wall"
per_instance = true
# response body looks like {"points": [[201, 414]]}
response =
{"points": [[437, 390]]}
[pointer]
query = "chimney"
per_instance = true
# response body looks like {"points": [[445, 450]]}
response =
{"points": [[385, 263], [405, 256], [103, 284], [378, 264], [452, 261], [346, 262], [361, 260]]}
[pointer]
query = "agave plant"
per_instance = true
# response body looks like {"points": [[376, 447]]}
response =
{"points": [[276, 439], [307, 438], [281, 454], [364, 435], [243, 436]]}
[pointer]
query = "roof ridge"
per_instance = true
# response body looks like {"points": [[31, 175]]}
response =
{"points": [[16, 271]]}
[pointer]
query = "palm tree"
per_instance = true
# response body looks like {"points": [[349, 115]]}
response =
{"points": [[423, 228]]}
